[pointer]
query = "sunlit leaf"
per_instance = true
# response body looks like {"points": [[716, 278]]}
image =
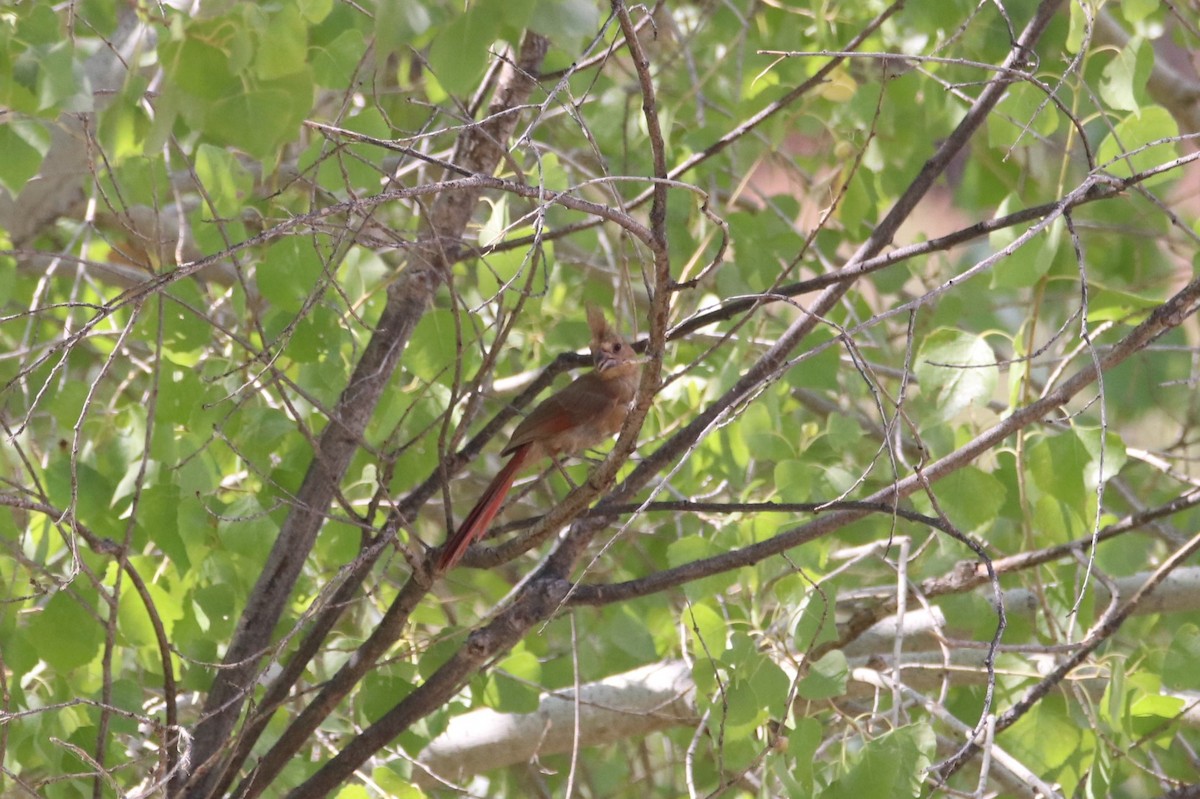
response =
{"points": [[1138, 143], [1179, 667], [889, 767], [957, 369], [24, 144], [67, 634], [458, 55], [826, 678], [1125, 77]]}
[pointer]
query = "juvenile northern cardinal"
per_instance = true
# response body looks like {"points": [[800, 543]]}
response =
{"points": [[583, 414]]}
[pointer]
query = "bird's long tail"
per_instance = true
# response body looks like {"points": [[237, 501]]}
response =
{"points": [[480, 518]]}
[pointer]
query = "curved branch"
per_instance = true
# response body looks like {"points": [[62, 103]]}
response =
{"points": [[480, 150], [542, 595], [533, 604], [639, 702], [1098, 635], [720, 145], [963, 579], [105, 546], [1167, 316]]}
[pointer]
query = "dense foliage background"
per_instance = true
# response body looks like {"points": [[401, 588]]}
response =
{"points": [[913, 461]]}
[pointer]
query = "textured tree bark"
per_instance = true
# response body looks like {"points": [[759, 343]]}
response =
{"points": [[516, 621], [479, 151], [636, 703], [58, 188], [660, 696]]}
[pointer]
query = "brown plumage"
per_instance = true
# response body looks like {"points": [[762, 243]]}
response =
{"points": [[583, 414]]}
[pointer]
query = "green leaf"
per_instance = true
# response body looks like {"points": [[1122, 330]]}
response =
{"points": [[1112, 704], [1056, 463], [771, 685], [124, 125], [62, 83], [380, 690], [398, 23], [93, 495], [1125, 151], [38, 25], [970, 496], [226, 182], [68, 636], [1022, 113], [395, 786], [794, 480], [1179, 667], [706, 630], [760, 430], [133, 618], [957, 369], [67, 403], [261, 119], [1057, 522], [493, 230], [741, 705], [433, 347], [24, 144], [214, 604], [159, 515], [1111, 452], [195, 65], [817, 372], [1027, 265], [179, 390], [690, 549], [815, 625], [1150, 712], [288, 273], [283, 45], [826, 678], [803, 742], [314, 11], [1136, 11], [128, 695], [1046, 737], [842, 431], [1067, 465], [565, 21], [247, 530], [551, 174], [317, 335], [334, 63], [459, 54], [1124, 83], [495, 272], [627, 632], [1112, 305], [858, 207], [891, 766], [772, 240], [184, 330], [1080, 27], [514, 683]]}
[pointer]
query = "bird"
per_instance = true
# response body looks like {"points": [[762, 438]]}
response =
{"points": [[593, 407]]}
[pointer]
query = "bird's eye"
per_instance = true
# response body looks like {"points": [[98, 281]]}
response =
{"points": [[617, 347]]}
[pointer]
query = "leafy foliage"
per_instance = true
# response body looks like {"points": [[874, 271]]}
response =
{"points": [[915, 288]]}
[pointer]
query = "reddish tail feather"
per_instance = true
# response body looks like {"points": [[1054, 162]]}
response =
{"points": [[480, 518]]}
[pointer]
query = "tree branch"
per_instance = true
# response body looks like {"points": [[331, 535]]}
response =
{"points": [[480, 150]]}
